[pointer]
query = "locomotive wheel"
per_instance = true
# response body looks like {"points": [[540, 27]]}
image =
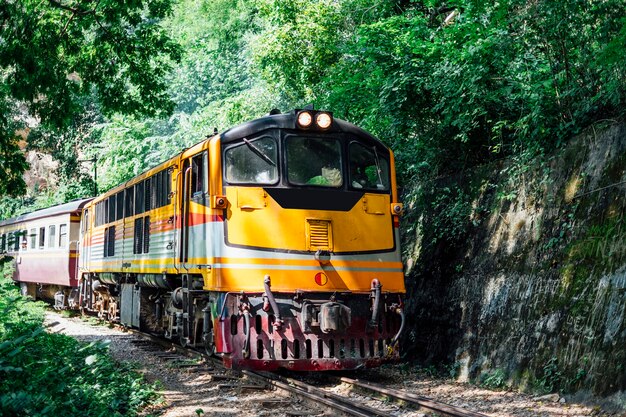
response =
{"points": [[183, 340]]}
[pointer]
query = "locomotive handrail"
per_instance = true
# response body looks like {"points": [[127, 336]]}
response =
{"points": [[176, 245], [395, 339], [268, 292], [185, 219]]}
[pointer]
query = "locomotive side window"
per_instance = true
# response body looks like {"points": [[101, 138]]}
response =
{"points": [[97, 210], [16, 240], [62, 235], [369, 170], [42, 237], [112, 208], [105, 205], [119, 197], [146, 234], [51, 236], [85, 221], [157, 189], [167, 186], [109, 241], [154, 190], [139, 202], [138, 236], [129, 196], [3, 239], [147, 193], [314, 161], [199, 174], [252, 162], [33, 238]]}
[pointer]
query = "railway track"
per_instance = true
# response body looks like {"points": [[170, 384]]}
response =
{"points": [[339, 403]]}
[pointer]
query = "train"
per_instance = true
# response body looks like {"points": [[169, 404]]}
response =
{"points": [[274, 245]]}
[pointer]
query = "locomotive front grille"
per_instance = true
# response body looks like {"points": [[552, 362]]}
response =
{"points": [[319, 234]]}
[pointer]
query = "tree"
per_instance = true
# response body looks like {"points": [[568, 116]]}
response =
{"points": [[54, 53], [450, 85]]}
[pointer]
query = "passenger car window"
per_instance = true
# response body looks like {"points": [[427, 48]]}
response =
{"points": [[52, 236], [16, 240], [314, 161], [252, 162], [62, 235], [369, 169]]}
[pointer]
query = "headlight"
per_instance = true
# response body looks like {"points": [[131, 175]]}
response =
{"points": [[304, 119], [323, 120]]}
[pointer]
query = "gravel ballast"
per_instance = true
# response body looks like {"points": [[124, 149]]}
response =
{"points": [[190, 390]]}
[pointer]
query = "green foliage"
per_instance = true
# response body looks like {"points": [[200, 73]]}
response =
{"points": [[451, 85], [551, 377], [58, 375], [448, 85], [54, 53], [12, 161], [214, 87], [494, 379]]}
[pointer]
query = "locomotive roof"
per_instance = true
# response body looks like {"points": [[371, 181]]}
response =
{"points": [[270, 121], [70, 207], [288, 121]]}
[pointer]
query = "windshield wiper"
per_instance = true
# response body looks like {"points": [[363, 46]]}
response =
{"points": [[378, 170], [259, 152]]}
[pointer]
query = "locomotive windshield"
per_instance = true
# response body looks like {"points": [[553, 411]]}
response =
{"points": [[314, 161], [252, 162], [308, 161]]}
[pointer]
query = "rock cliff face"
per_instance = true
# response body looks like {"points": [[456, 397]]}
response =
{"points": [[521, 273]]}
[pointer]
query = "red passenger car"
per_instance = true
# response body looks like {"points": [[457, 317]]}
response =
{"points": [[43, 247]]}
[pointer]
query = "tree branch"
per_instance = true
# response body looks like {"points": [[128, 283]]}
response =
{"points": [[74, 10]]}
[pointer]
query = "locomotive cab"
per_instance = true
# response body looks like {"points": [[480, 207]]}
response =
{"points": [[310, 243]]}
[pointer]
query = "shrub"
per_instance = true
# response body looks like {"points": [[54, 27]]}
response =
{"points": [[44, 374]]}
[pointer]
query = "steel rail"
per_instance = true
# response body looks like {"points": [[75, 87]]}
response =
{"points": [[334, 401], [415, 399], [318, 395], [290, 385]]}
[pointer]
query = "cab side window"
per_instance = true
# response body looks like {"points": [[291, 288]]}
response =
{"points": [[199, 174], [369, 168]]}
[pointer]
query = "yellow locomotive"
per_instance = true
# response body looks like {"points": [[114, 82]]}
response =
{"points": [[274, 244]]}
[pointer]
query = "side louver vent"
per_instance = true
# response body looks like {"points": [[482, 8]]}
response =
{"points": [[319, 234]]}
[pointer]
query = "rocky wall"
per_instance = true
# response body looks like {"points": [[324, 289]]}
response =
{"points": [[516, 272]]}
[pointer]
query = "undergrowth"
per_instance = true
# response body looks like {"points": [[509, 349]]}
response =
{"points": [[44, 374]]}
